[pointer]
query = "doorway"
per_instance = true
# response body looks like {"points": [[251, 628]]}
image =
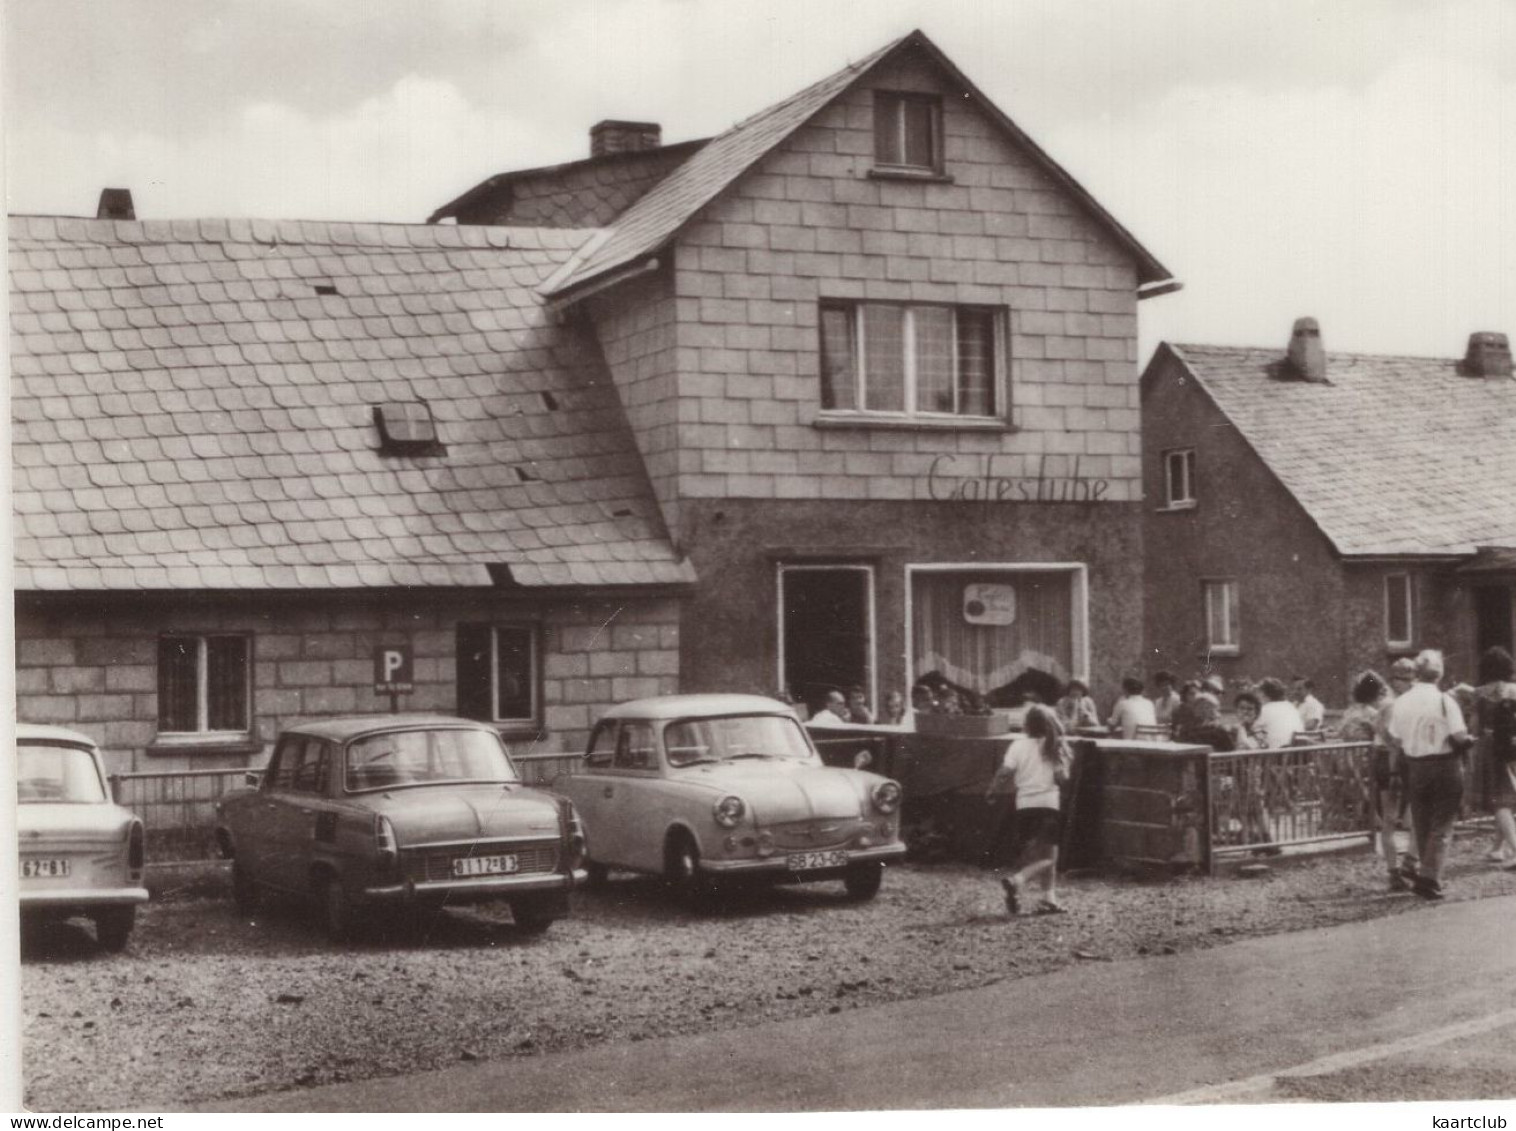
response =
{"points": [[1492, 617], [826, 630]]}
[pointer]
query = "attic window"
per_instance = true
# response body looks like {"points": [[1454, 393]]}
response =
{"points": [[907, 132], [326, 288], [406, 428]]}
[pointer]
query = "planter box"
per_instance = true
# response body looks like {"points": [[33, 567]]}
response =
{"points": [[964, 726]]}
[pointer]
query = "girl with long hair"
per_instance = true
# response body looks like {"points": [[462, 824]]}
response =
{"points": [[1036, 766]]}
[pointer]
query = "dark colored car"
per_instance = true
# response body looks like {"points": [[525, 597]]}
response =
{"points": [[411, 811]]}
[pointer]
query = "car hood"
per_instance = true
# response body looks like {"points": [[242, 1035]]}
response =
{"points": [[441, 813], [78, 821], [777, 791]]}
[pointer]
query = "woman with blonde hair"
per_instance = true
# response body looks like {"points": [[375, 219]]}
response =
{"points": [[1037, 766]]}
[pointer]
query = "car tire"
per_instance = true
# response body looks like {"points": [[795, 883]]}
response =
{"points": [[244, 890], [533, 916], [338, 916], [862, 881], [681, 867], [113, 925], [596, 875]]}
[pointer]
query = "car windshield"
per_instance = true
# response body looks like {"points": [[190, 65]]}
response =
{"points": [[423, 757], [729, 737], [57, 773]]}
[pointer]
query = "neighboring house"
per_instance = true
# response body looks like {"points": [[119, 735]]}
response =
{"points": [[878, 352], [844, 395], [1326, 515]]}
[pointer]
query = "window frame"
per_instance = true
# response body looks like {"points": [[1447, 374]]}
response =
{"points": [[1172, 500], [892, 104], [1409, 594], [854, 310], [203, 732], [1232, 609], [532, 722]]}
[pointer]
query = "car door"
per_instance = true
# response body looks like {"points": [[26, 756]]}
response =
{"points": [[631, 796], [587, 789], [288, 816]]}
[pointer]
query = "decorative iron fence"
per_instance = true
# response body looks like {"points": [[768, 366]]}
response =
{"points": [[1296, 795], [178, 809]]}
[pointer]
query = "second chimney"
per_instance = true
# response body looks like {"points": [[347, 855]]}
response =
{"points": [[612, 136], [1489, 355], [115, 204], [1306, 354]]}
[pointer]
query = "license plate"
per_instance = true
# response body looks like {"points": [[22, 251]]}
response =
{"points": [[807, 861], [485, 866], [43, 869]]}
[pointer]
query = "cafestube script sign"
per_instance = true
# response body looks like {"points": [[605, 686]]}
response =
{"points": [[976, 479]]}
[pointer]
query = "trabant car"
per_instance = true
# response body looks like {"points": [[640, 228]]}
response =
{"points": [[413, 811], [81, 853], [704, 787]]}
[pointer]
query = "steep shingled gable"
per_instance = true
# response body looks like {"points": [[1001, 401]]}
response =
{"points": [[657, 216], [1396, 456], [189, 412]]}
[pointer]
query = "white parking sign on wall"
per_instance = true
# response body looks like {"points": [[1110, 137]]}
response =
{"points": [[392, 669]]}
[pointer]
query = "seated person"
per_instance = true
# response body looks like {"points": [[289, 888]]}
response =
{"points": [[1076, 708], [1132, 710]]}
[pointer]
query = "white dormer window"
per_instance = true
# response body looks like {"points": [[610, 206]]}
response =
{"points": [[1179, 478]]}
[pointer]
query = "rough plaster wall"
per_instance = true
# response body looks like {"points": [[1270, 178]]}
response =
{"points": [[96, 670]]}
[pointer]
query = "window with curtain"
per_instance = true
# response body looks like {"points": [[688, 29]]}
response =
{"points": [[1221, 616], [497, 673], [203, 684], [985, 630]]}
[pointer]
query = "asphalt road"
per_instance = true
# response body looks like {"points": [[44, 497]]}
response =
{"points": [[1359, 1012]]}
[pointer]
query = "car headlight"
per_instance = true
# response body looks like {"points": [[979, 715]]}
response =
{"points": [[886, 796], [728, 811]]}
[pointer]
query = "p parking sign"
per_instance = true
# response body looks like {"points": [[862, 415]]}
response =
{"points": [[392, 669]]}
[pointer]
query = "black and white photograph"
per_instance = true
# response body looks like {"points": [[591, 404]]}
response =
{"points": [[804, 556]]}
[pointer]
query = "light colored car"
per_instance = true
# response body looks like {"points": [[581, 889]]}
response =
{"points": [[81, 853], [698, 787], [410, 811]]}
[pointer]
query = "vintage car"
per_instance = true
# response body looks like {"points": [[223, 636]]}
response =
{"points": [[414, 811], [702, 787], [81, 853]]}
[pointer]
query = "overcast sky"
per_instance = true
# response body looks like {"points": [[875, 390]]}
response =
{"points": [[1350, 159]]}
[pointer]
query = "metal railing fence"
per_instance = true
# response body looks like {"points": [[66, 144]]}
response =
{"points": [[178, 808], [1295, 795]]}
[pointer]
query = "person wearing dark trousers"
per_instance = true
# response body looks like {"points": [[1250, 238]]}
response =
{"points": [[1037, 766], [1427, 729]]}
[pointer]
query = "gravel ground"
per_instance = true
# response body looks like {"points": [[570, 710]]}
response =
{"points": [[206, 1005]]}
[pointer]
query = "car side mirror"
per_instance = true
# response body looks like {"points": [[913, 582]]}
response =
{"points": [[253, 779]]}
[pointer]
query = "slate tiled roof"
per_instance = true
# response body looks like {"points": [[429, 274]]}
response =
{"points": [[189, 413], [657, 216], [1397, 455], [668, 207]]}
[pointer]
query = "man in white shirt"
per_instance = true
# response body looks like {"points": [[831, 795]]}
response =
{"points": [[833, 713], [1312, 713], [1427, 729], [1278, 721], [1132, 710]]}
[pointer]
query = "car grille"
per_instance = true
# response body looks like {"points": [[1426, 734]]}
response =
{"points": [[433, 865], [812, 834]]}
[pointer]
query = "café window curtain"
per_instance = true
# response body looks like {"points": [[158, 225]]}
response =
{"points": [[982, 629]]}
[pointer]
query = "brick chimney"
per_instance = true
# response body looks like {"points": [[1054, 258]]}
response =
{"points": [[1307, 356], [612, 136], [1489, 355], [115, 204]]}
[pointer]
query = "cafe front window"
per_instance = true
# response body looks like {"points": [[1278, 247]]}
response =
{"points": [[999, 632]]}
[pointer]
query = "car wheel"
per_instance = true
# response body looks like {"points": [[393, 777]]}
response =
{"points": [[337, 914], [862, 881], [113, 925], [681, 868], [532, 916], [598, 875], [244, 890]]}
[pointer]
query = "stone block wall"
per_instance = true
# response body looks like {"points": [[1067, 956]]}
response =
{"points": [[94, 669]]}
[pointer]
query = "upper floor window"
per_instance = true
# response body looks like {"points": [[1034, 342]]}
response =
{"points": [[908, 130], [1179, 478], [203, 684], [497, 673], [928, 361], [1398, 625], [1221, 616]]}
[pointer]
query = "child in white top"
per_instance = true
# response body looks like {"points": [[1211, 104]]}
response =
{"points": [[1036, 764]]}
